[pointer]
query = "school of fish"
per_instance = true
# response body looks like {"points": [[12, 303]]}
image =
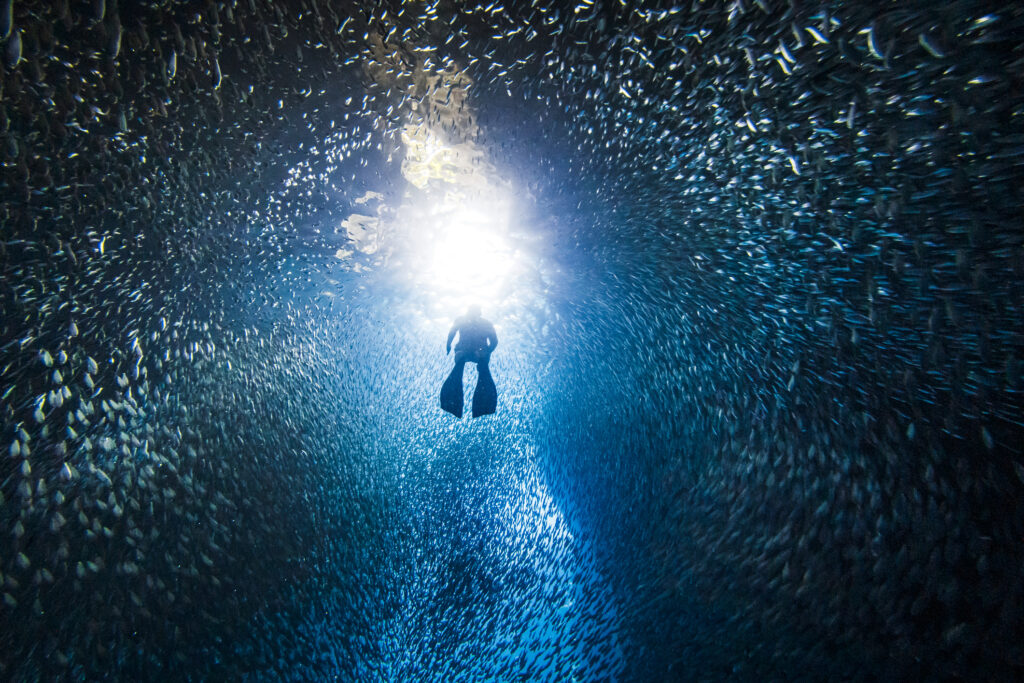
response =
{"points": [[761, 406]]}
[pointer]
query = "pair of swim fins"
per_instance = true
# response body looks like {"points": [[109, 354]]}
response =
{"points": [[485, 396]]}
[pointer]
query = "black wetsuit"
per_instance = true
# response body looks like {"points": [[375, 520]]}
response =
{"points": [[477, 339]]}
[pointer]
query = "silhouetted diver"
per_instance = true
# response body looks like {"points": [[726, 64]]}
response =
{"points": [[477, 340]]}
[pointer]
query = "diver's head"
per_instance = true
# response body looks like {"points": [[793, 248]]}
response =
{"points": [[473, 311]]}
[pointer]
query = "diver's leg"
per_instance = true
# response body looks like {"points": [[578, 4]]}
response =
{"points": [[451, 390], [485, 395]]}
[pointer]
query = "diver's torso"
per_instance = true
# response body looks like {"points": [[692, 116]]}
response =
{"points": [[473, 334]]}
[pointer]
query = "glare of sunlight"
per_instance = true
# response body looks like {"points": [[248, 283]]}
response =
{"points": [[471, 259], [456, 222]]}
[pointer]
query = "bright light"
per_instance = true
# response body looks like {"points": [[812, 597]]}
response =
{"points": [[455, 226], [471, 258]]}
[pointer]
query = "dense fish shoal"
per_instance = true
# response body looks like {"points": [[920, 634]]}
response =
{"points": [[758, 272]]}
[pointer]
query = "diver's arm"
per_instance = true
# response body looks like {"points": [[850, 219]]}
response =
{"points": [[492, 340], [451, 336]]}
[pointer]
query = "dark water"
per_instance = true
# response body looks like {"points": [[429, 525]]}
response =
{"points": [[757, 271]]}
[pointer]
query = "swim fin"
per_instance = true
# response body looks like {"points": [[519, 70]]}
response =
{"points": [[485, 396], [451, 391]]}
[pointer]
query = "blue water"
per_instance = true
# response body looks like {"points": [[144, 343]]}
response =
{"points": [[755, 270]]}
